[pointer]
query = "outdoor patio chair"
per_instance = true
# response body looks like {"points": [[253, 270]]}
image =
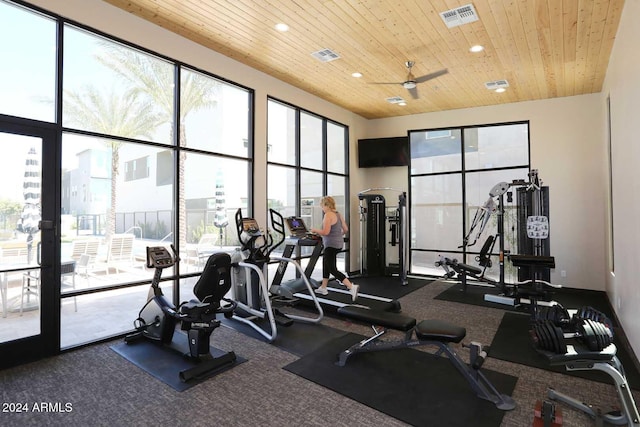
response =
{"points": [[81, 247], [120, 251], [12, 254], [31, 282], [84, 252]]}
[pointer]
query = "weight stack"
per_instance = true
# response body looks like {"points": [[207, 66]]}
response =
{"points": [[527, 201]]}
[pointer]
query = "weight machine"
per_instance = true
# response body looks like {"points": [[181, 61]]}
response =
{"points": [[375, 219], [533, 262]]}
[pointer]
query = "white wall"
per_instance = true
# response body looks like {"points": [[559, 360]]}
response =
{"points": [[622, 85], [566, 148]]}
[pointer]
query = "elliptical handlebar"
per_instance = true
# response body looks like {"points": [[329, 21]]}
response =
{"points": [[249, 227], [277, 222]]}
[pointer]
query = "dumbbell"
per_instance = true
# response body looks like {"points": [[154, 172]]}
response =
{"points": [[560, 316], [591, 313], [555, 313], [547, 336]]}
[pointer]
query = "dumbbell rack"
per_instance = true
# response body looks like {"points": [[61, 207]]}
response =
{"points": [[605, 361], [593, 349]]}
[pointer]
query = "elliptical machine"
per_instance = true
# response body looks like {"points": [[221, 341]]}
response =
{"points": [[158, 318], [256, 300]]}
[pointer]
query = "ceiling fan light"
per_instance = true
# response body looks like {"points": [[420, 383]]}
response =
{"points": [[409, 85]]}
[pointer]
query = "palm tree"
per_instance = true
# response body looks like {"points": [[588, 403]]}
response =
{"points": [[124, 115], [154, 79]]}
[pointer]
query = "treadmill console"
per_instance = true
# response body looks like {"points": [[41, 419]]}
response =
{"points": [[296, 226], [299, 230]]}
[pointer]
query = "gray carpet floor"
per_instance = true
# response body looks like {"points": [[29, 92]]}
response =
{"points": [[95, 386]]}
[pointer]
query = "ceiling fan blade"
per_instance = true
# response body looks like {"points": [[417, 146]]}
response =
{"points": [[414, 92], [430, 76]]}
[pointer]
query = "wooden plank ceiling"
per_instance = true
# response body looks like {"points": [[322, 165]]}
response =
{"points": [[542, 48]]}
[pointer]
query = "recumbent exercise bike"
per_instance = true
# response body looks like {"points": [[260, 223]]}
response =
{"points": [[158, 318]]}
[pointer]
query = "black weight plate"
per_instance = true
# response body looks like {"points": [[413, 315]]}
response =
{"points": [[538, 337], [589, 335], [566, 318], [542, 314], [561, 345], [598, 334], [581, 312], [544, 340], [553, 340], [546, 337], [603, 331], [586, 333], [561, 315]]}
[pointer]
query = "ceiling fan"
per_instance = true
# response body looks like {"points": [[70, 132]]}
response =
{"points": [[411, 82]]}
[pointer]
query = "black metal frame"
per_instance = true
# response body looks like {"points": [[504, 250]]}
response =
{"points": [[464, 253]]}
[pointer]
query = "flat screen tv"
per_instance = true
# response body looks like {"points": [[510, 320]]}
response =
{"points": [[381, 152]]}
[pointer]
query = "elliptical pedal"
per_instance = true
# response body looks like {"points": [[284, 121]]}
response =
{"points": [[282, 319], [285, 301]]}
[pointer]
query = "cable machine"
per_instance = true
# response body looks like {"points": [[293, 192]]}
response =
{"points": [[375, 220], [533, 261]]}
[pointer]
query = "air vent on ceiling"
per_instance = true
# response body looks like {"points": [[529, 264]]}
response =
{"points": [[459, 16], [395, 100], [496, 84], [325, 55]]}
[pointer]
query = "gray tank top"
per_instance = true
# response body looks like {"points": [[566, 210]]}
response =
{"points": [[335, 237]]}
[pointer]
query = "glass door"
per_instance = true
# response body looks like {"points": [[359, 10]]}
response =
{"points": [[27, 245]]}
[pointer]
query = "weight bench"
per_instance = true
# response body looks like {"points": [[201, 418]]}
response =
{"points": [[453, 268], [460, 271], [427, 332]]}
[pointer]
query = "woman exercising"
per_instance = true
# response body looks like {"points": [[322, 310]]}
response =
{"points": [[334, 227]]}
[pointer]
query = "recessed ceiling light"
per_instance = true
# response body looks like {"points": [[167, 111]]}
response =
{"points": [[396, 100], [476, 48], [402, 104], [500, 90], [282, 27], [356, 75]]}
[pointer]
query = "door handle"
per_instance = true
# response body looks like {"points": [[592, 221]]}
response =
{"points": [[46, 224]]}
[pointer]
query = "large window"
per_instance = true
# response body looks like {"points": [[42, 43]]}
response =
{"points": [[106, 89], [307, 159], [137, 168], [27, 76], [452, 174], [214, 115]]}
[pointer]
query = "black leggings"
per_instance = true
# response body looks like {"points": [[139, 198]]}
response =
{"points": [[329, 264]]}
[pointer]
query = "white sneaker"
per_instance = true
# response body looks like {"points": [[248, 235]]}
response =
{"points": [[322, 291], [354, 291]]}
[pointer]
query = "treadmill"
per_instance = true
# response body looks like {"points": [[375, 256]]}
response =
{"points": [[299, 235]]}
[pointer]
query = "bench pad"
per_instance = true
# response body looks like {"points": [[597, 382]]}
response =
{"points": [[385, 319], [437, 330], [469, 268]]}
